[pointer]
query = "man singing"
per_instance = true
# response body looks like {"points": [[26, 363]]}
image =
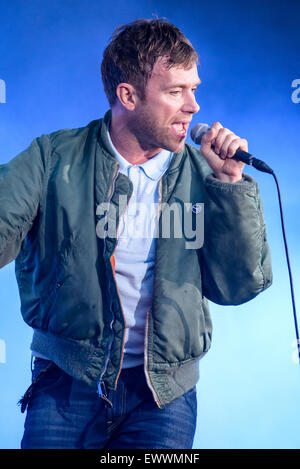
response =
{"points": [[119, 310]]}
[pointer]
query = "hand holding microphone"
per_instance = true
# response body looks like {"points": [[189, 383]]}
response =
{"points": [[217, 144]]}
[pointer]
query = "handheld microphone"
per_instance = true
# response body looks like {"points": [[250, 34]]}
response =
{"points": [[199, 130]]}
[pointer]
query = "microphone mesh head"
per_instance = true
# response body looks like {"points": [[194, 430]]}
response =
{"points": [[198, 131]]}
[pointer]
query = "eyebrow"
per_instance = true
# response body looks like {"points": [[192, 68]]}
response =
{"points": [[183, 85]]}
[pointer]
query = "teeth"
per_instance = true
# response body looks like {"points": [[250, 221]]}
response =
{"points": [[179, 128]]}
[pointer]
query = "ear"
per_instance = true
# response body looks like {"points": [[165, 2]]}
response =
{"points": [[127, 95]]}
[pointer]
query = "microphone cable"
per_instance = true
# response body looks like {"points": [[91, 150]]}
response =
{"points": [[262, 166], [288, 265]]}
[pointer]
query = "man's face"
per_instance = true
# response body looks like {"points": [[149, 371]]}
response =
{"points": [[161, 120]]}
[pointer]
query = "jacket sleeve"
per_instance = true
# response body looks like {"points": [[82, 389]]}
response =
{"points": [[21, 186], [235, 254]]}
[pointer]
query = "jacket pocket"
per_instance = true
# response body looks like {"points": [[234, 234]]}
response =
{"points": [[53, 285], [181, 326]]}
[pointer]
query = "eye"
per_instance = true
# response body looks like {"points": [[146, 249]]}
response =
{"points": [[175, 92]]}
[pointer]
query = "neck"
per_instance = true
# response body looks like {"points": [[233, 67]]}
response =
{"points": [[126, 142]]}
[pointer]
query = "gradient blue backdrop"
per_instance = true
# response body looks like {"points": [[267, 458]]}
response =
{"points": [[50, 55]]}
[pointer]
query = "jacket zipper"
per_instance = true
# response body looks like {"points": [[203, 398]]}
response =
{"points": [[123, 342], [147, 320], [101, 385]]}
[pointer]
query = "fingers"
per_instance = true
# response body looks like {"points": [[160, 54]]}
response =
{"points": [[236, 144], [210, 136], [223, 141]]}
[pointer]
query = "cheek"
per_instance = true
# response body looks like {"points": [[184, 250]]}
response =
{"points": [[156, 118], [170, 110], [164, 110]]}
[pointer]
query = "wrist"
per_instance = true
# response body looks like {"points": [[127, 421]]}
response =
{"points": [[228, 178]]}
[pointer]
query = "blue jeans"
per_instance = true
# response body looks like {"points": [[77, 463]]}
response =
{"points": [[65, 413]]}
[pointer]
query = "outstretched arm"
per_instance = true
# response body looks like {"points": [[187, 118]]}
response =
{"points": [[21, 186]]}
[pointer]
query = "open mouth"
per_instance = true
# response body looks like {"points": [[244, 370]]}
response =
{"points": [[180, 129]]}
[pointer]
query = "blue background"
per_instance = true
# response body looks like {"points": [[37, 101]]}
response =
{"points": [[50, 54]]}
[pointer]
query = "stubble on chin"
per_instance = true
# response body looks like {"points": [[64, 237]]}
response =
{"points": [[151, 137]]}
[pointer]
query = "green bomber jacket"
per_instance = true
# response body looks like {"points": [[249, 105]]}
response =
{"points": [[50, 196]]}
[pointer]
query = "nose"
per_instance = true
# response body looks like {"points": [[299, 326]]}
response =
{"points": [[190, 104]]}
